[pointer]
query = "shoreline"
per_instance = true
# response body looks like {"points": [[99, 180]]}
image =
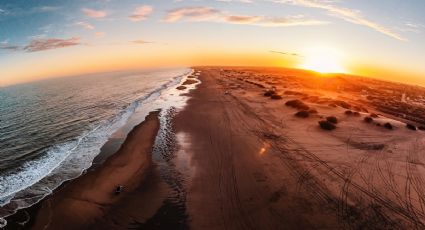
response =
{"points": [[106, 137], [91, 196], [153, 188], [75, 204]]}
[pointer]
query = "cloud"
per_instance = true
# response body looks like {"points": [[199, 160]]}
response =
{"points": [[9, 47], [93, 13], [286, 53], [50, 43], [47, 8], [141, 13], [243, 1], [350, 15], [191, 14], [85, 25], [412, 27], [214, 15], [4, 45], [294, 20], [241, 19], [100, 34], [141, 42]]}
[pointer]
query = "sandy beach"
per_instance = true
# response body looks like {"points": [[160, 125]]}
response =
{"points": [[247, 152], [91, 198]]}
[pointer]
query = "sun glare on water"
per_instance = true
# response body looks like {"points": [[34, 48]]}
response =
{"points": [[323, 60]]}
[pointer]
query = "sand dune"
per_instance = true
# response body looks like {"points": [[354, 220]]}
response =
{"points": [[260, 167]]}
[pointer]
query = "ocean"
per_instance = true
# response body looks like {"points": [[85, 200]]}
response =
{"points": [[50, 131]]}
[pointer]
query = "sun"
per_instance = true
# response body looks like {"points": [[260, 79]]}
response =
{"points": [[323, 60]]}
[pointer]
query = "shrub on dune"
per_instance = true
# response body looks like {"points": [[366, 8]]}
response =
{"points": [[410, 126], [276, 97], [326, 125], [332, 119], [421, 128], [348, 112], [313, 111], [269, 93], [297, 104], [302, 114], [368, 119], [388, 125], [374, 115], [356, 114]]}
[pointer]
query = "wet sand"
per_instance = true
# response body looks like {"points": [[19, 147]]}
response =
{"points": [[90, 200]]}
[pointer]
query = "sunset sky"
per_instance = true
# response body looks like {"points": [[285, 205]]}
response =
{"points": [[51, 38]]}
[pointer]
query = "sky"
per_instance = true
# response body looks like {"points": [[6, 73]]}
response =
{"points": [[53, 38]]}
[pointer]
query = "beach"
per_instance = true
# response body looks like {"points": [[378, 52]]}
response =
{"points": [[239, 156], [89, 198]]}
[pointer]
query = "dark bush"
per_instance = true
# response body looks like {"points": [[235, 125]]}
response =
{"points": [[297, 104], [356, 114], [326, 125], [302, 114], [388, 125], [421, 128], [410, 126], [332, 119], [313, 111], [348, 112], [374, 115], [276, 97], [368, 119], [269, 93]]}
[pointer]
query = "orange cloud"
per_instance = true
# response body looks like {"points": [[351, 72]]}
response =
{"points": [[141, 42], [51, 43], [191, 14], [85, 25], [242, 19], [93, 13], [141, 13], [214, 15]]}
